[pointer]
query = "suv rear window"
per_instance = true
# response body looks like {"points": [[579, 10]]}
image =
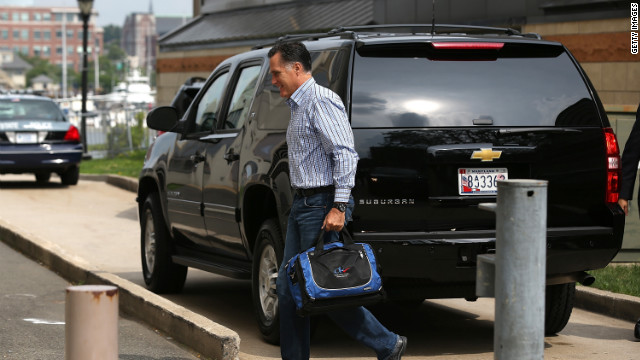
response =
{"points": [[423, 91]]}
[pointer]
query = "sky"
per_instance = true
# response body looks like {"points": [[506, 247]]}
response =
{"points": [[114, 12]]}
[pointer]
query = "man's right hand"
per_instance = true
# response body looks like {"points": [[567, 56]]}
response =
{"points": [[624, 204]]}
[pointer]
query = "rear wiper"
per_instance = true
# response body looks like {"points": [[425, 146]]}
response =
{"points": [[538, 129]]}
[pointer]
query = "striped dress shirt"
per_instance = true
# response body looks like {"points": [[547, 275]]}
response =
{"points": [[320, 141]]}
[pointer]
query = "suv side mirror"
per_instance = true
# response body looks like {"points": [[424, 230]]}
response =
{"points": [[164, 118]]}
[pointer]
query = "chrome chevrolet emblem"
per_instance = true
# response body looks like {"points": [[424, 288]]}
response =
{"points": [[486, 154]]}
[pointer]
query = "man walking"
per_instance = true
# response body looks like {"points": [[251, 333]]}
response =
{"points": [[322, 166]]}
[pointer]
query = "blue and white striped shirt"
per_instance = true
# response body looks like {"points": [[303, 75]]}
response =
{"points": [[320, 141]]}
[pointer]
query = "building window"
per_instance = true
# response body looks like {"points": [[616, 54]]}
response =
{"points": [[46, 50], [24, 50], [37, 17], [47, 34], [70, 50], [81, 32], [4, 16], [24, 16], [16, 34], [71, 17], [59, 17], [46, 17], [15, 16], [36, 34], [69, 34], [58, 34], [25, 34], [59, 50], [37, 51], [5, 34]]}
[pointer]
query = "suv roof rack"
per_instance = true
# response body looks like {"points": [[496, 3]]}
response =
{"points": [[352, 32]]}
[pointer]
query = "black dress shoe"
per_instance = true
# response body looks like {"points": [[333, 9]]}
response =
{"points": [[399, 349], [636, 331]]}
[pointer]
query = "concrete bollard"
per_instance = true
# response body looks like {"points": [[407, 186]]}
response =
{"points": [[521, 225], [91, 317]]}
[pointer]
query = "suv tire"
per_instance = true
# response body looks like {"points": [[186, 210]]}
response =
{"points": [[267, 258], [558, 307], [160, 273]]}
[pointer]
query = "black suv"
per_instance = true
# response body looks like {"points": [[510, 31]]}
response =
{"points": [[438, 114]]}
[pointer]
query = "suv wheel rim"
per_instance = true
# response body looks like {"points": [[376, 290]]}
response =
{"points": [[267, 282], [149, 243]]}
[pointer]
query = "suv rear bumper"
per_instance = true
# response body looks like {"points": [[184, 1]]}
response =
{"points": [[440, 265]]}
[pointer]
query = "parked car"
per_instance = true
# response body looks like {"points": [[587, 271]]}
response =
{"points": [[185, 95], [36, 137], [437, 120]]}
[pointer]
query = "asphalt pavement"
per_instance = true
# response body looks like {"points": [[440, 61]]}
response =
{"points": [[32, 318]]}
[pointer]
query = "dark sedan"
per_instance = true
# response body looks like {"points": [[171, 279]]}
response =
{"points": [[36, 137]]}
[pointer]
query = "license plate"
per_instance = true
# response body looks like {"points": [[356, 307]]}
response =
{"points": [[480, 181], [26, 138]]}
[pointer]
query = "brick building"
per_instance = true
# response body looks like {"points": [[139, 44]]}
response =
{"points": [[48, 32], [139, 39]]}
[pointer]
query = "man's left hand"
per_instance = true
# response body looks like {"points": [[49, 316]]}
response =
{"points": [[334, 220]]}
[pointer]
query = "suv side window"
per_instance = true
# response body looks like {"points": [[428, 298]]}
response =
{"points": [[329, 68], [242, 95], [209, 105]]}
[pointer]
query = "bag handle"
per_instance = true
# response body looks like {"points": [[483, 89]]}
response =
{"points": [[346, 239]]}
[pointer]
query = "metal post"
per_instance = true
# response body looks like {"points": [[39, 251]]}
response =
{"points": [[521, 223], [64, 55], [85, 37], [91, 322]]}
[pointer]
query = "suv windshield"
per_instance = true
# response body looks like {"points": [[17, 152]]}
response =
{"points": [[415, 91]]}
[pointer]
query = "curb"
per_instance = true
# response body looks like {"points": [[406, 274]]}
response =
{"points": [[204, 336], [620, 306]]}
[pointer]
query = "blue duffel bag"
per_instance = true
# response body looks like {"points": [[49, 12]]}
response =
{"points": [[336, 276]]}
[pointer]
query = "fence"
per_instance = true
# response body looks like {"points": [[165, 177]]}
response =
{"points": [[113, 130]]}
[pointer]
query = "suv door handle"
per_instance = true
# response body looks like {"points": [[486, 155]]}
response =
{"points": [[197, 157], [231, 156]]}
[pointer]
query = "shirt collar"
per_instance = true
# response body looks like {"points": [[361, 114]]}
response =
{"points": [[300, 93]]}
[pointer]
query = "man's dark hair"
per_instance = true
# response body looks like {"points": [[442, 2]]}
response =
{"points": [[292, 52]]}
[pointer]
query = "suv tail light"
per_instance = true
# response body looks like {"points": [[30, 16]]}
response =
{"points": [[72, 134], [613, 166]]}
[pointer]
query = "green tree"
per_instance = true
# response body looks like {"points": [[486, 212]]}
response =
{"points": [[41, 66], [112, 34]]}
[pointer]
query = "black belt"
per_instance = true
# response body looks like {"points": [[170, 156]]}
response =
{"points": [[313, 191]]}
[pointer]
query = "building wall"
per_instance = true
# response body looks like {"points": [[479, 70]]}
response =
{"points": [[174, 68], [603, 48], [139, 39], [37, 31]]}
